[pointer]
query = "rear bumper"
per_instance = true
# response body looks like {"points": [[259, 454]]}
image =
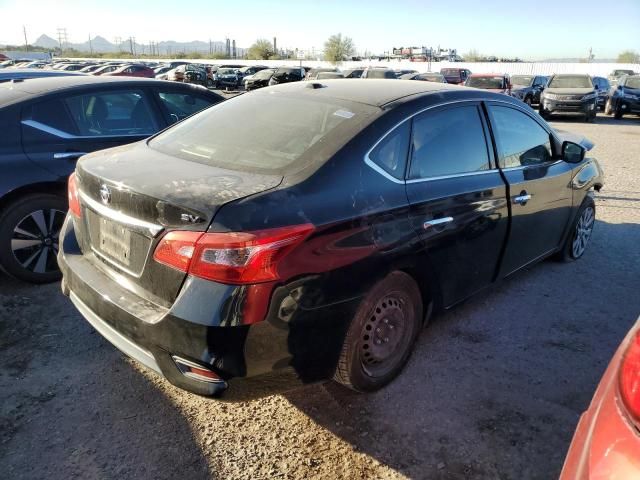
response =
{"points": [[202, 327]]}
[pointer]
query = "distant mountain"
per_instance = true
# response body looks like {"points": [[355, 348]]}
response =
{"points": [[167, 47], [45, 41]]}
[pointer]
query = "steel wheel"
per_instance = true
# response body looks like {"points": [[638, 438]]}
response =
{"points": [[381, 335], [384, 336], [582, 232], [527, 100], [34, 242]]}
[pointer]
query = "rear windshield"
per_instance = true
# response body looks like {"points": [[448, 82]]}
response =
{"points": [[570, 81], [632, 82], [264, 132], [486, 82], [226, 71], [522, 80], [449, 72]]}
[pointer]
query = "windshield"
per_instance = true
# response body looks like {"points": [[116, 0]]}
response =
{"points": [[522, 80], [622, 72], [262, 133], [632, 82], [570, 81], [227, 71], [491, 83], [283, 73], [450, 72]]}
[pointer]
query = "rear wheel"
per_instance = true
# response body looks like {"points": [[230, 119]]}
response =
{"points": [[381, 335], [29, 234], [578, 239]]}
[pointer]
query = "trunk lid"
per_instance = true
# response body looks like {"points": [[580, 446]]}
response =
{"points": [[131, 195]]}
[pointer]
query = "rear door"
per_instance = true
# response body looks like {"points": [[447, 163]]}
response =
{"points": [[458, 197], [57, 130], [539, 185]]}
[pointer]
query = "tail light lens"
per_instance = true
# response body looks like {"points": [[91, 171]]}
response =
{"points": [[236, 257], [72, 194], [629, 378]]}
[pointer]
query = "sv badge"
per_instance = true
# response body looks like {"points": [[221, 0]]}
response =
{"points": [[187, 217]]}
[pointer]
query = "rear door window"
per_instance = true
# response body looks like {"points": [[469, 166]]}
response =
{"points": [[51, 116], [180, 105], [448, 142], [521, 140], [112, 113]]}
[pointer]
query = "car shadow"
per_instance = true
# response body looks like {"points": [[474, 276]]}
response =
{"points": [[495, 387], [72, 408]]}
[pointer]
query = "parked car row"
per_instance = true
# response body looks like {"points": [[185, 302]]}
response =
{"points": [[48, 123]]}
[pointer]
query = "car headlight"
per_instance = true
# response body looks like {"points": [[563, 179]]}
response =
{"points": [[588, 97], [629, 96], [517, 93], [550, 96]]}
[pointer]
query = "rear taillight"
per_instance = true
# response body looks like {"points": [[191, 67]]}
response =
{"points": [[74, 200], [236, 257], [629, 378]]}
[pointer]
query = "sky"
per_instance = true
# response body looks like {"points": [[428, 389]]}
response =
{"points": [[529, 29]]}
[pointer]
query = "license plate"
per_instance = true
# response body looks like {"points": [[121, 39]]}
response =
{"points": [[115, 241]]}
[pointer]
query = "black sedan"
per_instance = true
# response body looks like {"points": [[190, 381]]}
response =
{"points": [[47, 124], [313, 228]]}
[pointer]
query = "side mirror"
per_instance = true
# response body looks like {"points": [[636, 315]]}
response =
{"points": [[572, 152]]}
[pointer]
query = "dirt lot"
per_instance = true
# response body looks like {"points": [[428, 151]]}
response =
{"points": [[493, 391]]}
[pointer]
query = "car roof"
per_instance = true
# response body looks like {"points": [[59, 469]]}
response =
{"points": [[375, 92], [13, 92], [488, 75]]}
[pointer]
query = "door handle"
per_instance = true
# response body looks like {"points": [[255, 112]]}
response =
{"points": [[436, 222], [68, 155], [522, 199]]}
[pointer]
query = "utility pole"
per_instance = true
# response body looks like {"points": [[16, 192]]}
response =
{"points": [[90, 45], [26, 44], [62, 38]]}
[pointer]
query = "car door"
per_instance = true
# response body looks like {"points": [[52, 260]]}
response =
{"points": [[538, 87], [458, 199], [58, 129], [539, 185]]}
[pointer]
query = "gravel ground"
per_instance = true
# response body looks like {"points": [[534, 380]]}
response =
{"points": [[493, 390]]}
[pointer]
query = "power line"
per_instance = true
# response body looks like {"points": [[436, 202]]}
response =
{"points": [[62, 38]]}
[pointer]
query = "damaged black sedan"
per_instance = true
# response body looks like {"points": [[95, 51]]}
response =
{"points": [[314, 227]]}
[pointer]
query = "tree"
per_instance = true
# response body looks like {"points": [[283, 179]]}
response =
{"points": [[472, 56], [629, 56], [337, 48], [262, 49]]}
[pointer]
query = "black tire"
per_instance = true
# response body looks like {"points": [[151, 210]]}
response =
{"points": [[29, 229], [591, 117], [618, 113], [210, 83], [544, 114], [528, 100], [382, 333], [571, 249]]}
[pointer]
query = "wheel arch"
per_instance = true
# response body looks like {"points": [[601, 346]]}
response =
{"points": [[55, 188]]}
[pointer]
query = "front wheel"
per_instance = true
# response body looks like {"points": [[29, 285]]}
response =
{"points": [[382, 333], [528, 101], [618, 113], [29, 231], [578, 239]]}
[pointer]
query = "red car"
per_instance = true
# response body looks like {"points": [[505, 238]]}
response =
{"points": [[606, 444], [495, 82], [132, 71]]}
